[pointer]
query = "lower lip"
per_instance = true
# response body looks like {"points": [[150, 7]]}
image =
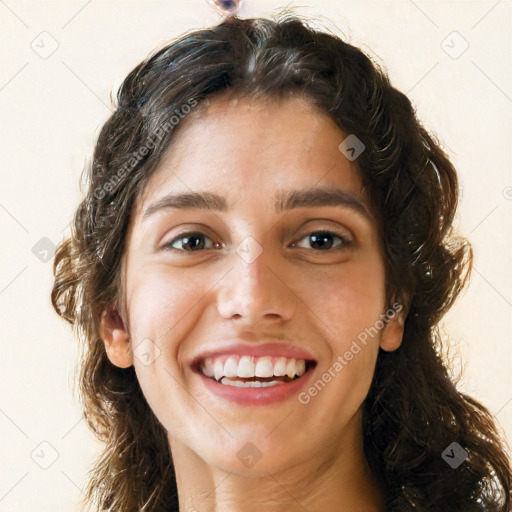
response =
{"points": [[257, 396]]}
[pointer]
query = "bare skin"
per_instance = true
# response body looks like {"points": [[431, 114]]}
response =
{"points": [[178, 303]]}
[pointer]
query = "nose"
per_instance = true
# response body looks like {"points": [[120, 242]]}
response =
{"points": [[256, 290]]}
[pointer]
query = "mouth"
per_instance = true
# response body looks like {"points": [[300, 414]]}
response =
{"points": [[245, 371]]}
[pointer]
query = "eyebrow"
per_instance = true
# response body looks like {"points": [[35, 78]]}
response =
{"points": [[284, 200]]}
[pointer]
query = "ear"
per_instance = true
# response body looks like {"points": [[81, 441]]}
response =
{"points": [[115, 336], [393, 331]]}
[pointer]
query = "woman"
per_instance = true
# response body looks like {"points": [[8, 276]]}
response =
{"points": [[257, 273]]}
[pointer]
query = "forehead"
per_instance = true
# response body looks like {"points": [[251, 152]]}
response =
{"points": [[249, 148]]}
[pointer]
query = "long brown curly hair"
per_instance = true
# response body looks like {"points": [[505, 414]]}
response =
{"points": [[413, 410]]}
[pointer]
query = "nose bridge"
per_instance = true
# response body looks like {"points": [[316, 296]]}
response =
{"points": [[254, 289]]}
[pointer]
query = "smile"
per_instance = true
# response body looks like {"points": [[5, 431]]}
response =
{"points": [[254, 380], [250, 368]]}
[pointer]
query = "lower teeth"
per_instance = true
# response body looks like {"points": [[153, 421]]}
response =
{"points": [[250, 384]]}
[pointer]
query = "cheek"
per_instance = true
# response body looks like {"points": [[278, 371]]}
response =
{"points": [[163, 308], [347, 300], [161, 302], [360, 302], [350, 305]]}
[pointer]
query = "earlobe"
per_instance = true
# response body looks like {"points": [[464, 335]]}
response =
{"points": [[393, 331], [115, 337]]}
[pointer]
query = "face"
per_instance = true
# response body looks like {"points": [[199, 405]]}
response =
{"points": [[308, 275]]}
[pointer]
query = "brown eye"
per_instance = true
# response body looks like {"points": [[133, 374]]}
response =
{"points": [[189, 242], [325, 240]]}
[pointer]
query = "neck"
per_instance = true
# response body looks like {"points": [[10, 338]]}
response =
{"points": [[335, 481]]}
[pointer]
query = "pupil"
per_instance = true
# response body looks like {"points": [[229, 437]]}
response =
{"points": [[321, 240], [186, 241]]}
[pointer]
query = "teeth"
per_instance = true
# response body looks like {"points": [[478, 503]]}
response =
{"points": [[251, 384], [264, 367], [280, 367], [247, 367], [218, 369], [290, 368], [231, 367], [207, 367]]}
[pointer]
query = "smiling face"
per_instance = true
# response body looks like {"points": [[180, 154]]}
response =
{"points": [[255, 271]]}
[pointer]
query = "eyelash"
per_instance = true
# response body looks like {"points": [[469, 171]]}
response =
{"points": [[345, 242]]}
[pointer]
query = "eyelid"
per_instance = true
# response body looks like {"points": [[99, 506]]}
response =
{"points": [[340, 231]]}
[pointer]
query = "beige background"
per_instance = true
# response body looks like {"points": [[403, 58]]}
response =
{"points": [[53, 105]]}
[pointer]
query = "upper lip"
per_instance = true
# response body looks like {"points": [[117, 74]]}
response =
{"points": [[273, 349]]}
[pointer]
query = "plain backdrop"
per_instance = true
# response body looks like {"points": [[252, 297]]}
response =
{"points": [[60, 63]]}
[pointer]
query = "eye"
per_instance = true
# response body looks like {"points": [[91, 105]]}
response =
{"points": [[323, 240], [190, 242], [194, 241]]}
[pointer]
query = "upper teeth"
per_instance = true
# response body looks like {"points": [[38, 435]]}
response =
{"points": [[248, 366]]}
